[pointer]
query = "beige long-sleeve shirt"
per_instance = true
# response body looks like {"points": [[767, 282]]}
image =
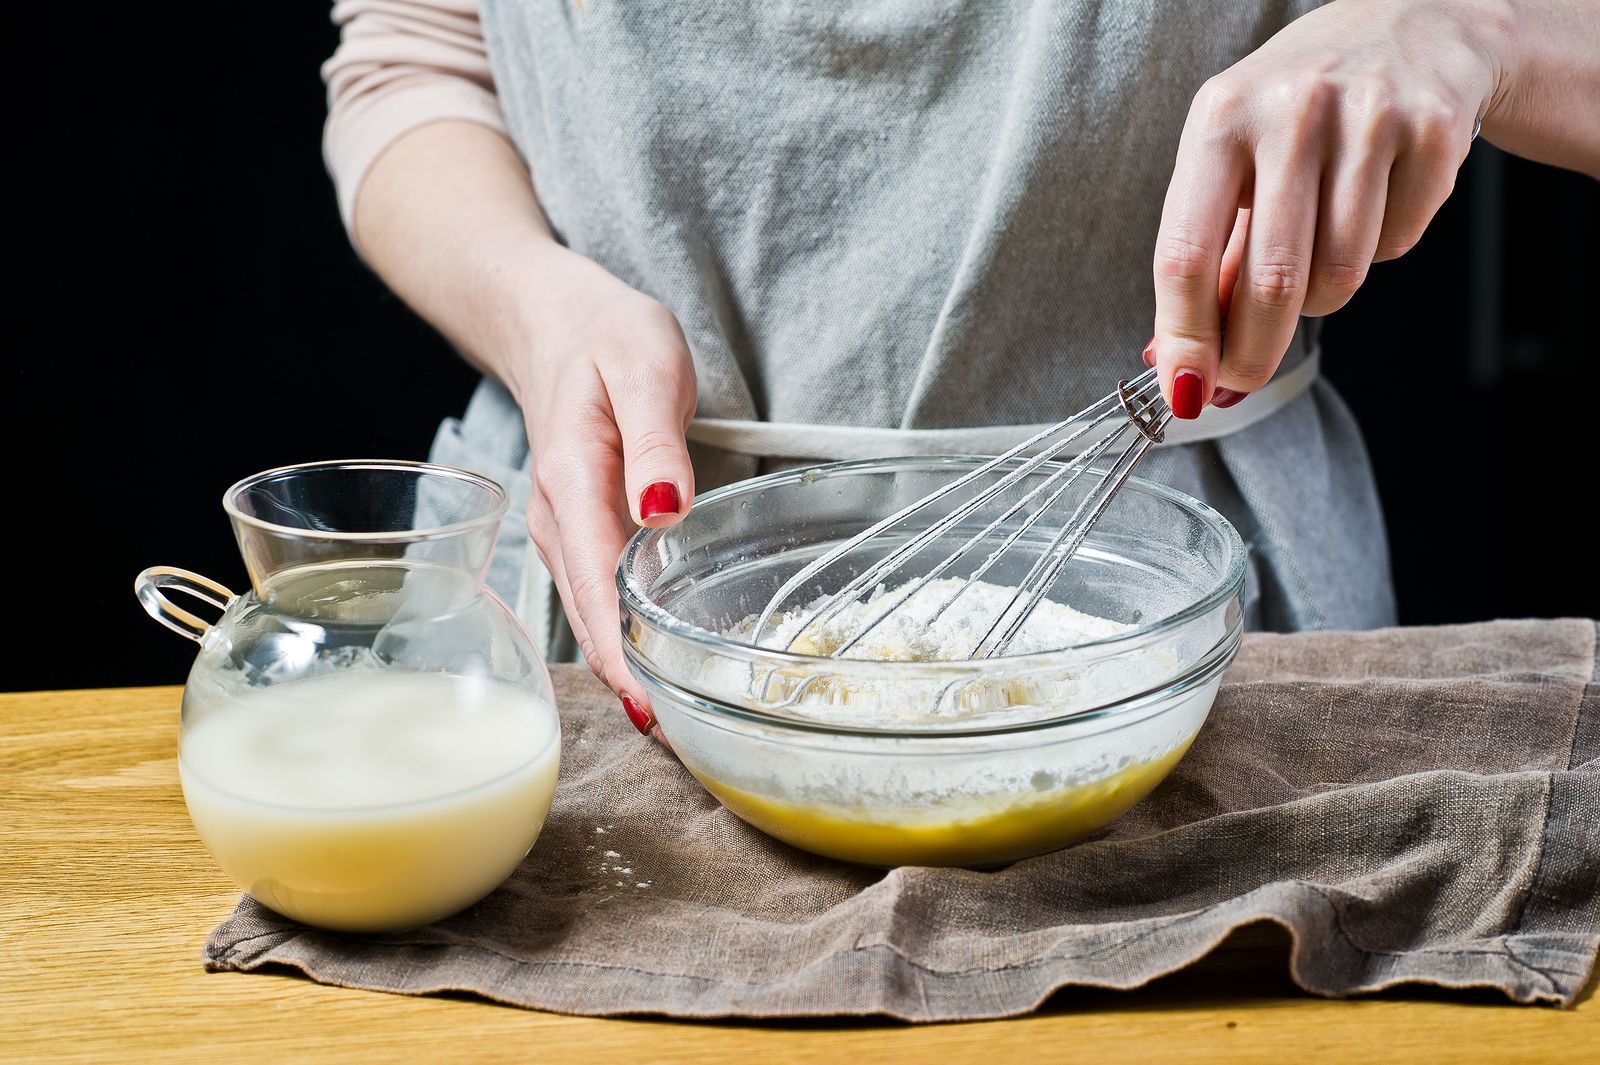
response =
{"points": [[400, 64]]}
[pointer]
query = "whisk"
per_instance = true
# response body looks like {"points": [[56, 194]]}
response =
{"points": [[1139, 416]]}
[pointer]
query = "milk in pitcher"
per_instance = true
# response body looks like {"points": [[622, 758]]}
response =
{"points": [[371, 800]]}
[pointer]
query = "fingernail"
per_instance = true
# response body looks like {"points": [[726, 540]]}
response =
{"points": [[1226, 397], [659, 498], [1150, 353], [1186, 389], [638, 715]]}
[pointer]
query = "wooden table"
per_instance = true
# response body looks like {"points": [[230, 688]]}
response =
{"points": [[106, 897]]}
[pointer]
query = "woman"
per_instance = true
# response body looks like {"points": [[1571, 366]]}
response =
{"points": [[750, 231]]}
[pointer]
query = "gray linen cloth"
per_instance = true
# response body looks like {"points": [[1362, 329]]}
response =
{"points": [[1414, 805]]}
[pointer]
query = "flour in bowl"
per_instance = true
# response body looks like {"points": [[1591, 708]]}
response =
{"points": [[924, 629]]}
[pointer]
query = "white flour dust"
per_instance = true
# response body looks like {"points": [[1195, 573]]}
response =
{"points": [[931, 626]]}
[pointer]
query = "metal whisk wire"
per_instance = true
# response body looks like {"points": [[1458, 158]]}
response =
{"points": [[1136, 406]]}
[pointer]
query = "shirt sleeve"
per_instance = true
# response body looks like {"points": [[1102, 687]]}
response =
{"points": [[400, 64]]}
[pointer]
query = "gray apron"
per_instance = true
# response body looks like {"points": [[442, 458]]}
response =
{"points": [[906, 216]]}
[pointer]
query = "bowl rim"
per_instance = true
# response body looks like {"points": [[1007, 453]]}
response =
{"points": [[633, 599]]}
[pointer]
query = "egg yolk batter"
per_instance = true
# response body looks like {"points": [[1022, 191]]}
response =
{"points": [[991, 830]]}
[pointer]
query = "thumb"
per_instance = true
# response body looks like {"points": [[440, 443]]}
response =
{"points": [[658, 476]]}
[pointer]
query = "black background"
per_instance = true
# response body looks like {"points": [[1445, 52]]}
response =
{"points": [[189, 312]]}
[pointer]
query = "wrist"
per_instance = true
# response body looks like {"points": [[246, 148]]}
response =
{"points": [[1490, 29], [514, 276]]}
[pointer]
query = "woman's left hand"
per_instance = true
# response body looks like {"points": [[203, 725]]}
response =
{"points": [[1328, 149]]}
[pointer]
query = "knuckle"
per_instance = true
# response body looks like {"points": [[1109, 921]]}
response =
{"points": [[657, 378], [656, 446], [1297, 90], [1341, 275], [547, 475], [1373, 102], [1437, 131], [656, 337], [1220, 101], [655, 313], [653, 370], [1305, 94], [1183, 257], [1431, 114], [1333, 282], [1370, 116], [1277, 281]]}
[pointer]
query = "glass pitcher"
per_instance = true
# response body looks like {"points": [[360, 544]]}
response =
{"points": [[369, 738]]}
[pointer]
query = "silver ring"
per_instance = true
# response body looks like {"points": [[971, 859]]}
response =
{"points": [[1477, 127]]}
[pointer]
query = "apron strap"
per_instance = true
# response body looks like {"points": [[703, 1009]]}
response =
{"points": [[833, 443]]}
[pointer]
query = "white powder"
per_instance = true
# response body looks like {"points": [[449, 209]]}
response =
{"points": [[910, 631], [932, 627]]}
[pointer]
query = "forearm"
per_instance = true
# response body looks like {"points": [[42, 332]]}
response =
{"points": [[447, 216], [1546, 102]]}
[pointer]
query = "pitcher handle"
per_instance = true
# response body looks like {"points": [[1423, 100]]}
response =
{"points": [[149, 587]]}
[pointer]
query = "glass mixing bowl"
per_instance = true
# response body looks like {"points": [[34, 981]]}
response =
{"points": [[970, 763]]}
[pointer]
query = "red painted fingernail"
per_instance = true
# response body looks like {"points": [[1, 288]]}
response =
{"points": [[1150, 353], [1226, 397], [659, 498], [638, 715], [1186, 389]]}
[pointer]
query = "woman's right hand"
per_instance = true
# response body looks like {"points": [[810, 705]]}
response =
{"points": [[448, 217], [607, 386]]}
